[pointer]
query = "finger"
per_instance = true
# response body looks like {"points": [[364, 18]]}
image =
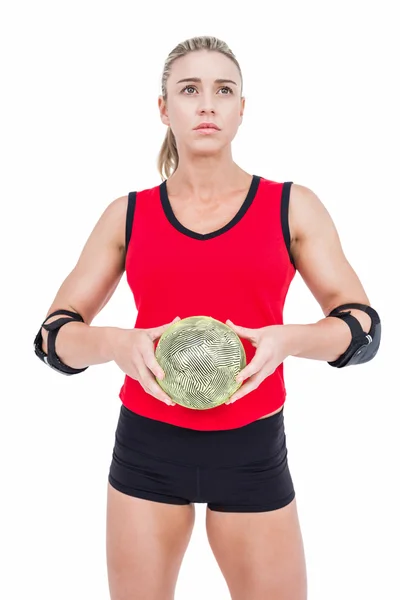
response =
{"points": [[249, 386], [154, 389], [149, 384], [243, 332], [252, 368], [156, 332], [151, 363]]}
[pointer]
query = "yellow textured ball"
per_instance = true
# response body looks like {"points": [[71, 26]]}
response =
{"points": [[200, 357]]}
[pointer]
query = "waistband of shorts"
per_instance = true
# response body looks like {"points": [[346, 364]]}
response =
{"points": [[255, 441]]}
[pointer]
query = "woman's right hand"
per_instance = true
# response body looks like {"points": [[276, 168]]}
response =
{"points": [[133, 352]]}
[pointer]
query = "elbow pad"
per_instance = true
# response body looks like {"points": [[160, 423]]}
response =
{"points": [[51, 359], [363, 346]]}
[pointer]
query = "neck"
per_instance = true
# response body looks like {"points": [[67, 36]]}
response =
{"points": [[205, 177]]}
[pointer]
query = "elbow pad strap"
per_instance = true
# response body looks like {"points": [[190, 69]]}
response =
{"points": [[363, 346], [51, 359]]}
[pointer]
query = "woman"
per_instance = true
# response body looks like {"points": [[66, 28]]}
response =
{"points": [[212, 240]]}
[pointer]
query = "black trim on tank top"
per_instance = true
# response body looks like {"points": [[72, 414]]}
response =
{"points": [[130, 211], [169, 213], [285, 217]]}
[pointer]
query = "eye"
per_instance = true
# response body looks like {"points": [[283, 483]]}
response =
{"points": [[191, 87], [230, 90], [188, 87]]}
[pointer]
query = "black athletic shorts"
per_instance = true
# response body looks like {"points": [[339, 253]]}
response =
{"points": [[235, 470]]}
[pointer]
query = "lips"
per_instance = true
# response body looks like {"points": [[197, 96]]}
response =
{"points": [[207, 126]]}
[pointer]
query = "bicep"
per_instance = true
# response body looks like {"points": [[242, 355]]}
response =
{"points": [[93, 280], [319, 256]]}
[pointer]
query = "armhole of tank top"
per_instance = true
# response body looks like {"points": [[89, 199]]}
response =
{"points": [[130, 211], [285, 217]]}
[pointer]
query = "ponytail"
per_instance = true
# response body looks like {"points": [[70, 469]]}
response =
{"points": [[168, 158]]}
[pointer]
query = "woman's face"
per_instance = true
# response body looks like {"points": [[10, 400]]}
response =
{"points": [[203, 86]]}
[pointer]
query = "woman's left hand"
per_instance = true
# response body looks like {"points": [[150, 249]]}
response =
{"points": [[271, 344]]}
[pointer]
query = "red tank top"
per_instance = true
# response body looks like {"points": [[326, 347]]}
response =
{"points": [[240, 272]]}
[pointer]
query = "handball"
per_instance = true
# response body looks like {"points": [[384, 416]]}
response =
{"points": [[200, 357]]}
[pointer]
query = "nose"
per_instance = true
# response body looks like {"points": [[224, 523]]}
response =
{"points": [[205, 111], [206, 105]]}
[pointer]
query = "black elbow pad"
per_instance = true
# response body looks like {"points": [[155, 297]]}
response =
{"points": [[51, 359], [363, 346]]}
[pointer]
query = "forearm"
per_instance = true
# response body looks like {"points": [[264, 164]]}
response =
{"points": [[325, 340], [79, 345]]}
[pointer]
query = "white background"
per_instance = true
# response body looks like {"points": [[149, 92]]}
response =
{"points": [[80, 127]]}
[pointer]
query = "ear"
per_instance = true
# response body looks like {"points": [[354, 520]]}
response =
{"points": [[162, 106], [242, 105]]}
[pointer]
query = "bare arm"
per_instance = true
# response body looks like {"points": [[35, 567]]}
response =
{"points": [[88, 288], [321, 262]]}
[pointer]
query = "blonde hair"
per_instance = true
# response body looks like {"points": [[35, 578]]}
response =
{"points": [[168, 158]]}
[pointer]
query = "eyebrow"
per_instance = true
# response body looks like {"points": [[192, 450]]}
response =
{"points": [[198, 80]]}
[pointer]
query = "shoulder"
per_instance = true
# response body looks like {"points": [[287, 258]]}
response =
{"points": [[116, 215], [110, 226], [307, 213], [115, 212]]}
